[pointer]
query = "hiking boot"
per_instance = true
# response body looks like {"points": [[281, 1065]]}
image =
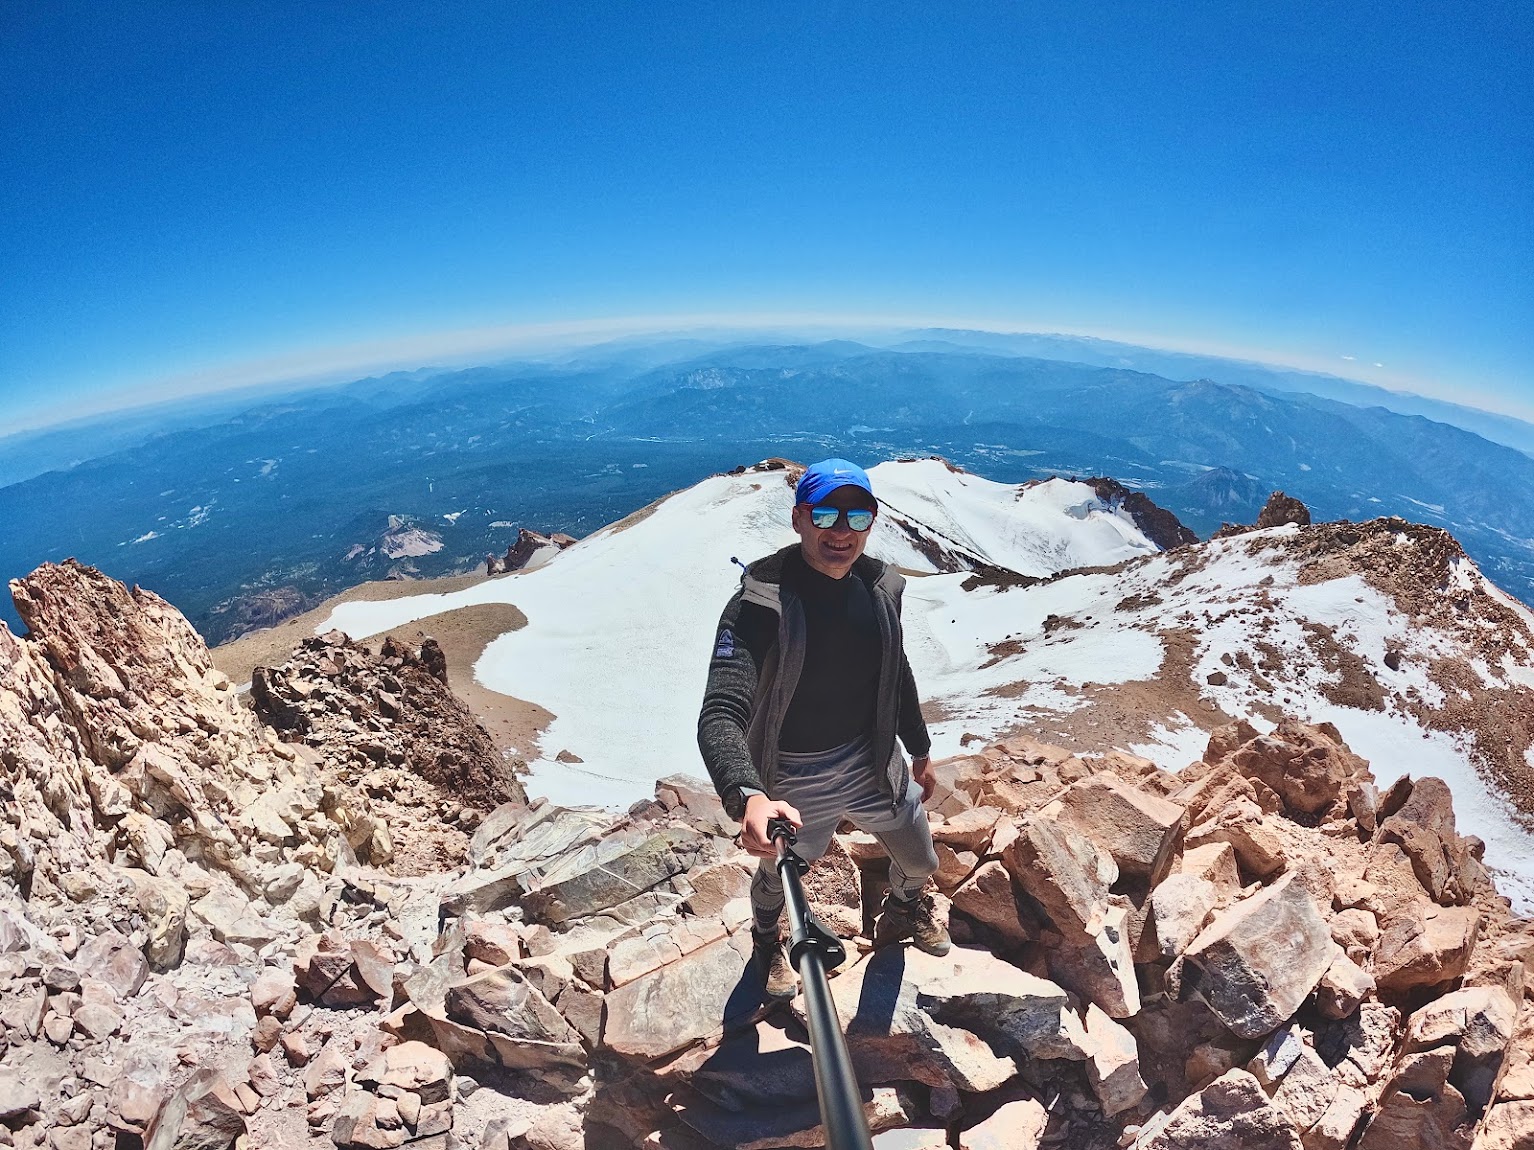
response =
{"points": [[915, 920], [771, 957]]}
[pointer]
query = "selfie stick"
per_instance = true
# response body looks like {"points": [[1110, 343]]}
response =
{"points": [[813, 949]]}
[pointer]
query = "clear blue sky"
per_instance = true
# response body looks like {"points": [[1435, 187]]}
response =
{"points": [[194, 193]]}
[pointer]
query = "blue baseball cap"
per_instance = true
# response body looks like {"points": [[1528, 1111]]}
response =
{"points": [[820, 479]]}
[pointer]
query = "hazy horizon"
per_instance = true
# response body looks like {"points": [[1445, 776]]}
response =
{"points": [[258, 382]]}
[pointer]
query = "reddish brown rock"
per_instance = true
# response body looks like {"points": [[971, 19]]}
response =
{"points": [[1231, 1113], [990, 899], [1425, 945], [1140, 830], [1423, 826], [1063, 870]]}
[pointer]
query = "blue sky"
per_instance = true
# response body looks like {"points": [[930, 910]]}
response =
{"points": [[200, 194]]}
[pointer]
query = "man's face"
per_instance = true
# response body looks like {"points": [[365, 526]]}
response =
{"points": [[833, 550]]}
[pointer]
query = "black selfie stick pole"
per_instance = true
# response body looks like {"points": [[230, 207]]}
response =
{"points": [[813, 950]]}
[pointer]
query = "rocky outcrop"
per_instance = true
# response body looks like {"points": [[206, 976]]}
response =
{"points": [[390, 713], [532, 549], [1157, 524], [1279, 511], [1262, 950]]}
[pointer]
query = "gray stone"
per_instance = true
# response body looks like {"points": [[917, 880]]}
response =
{"points": [[1181, 905], [1016, 1125], [1260, 959], [525, 1031], [787, 1125], [694, 998], [891, 1000], [1231, 1113], [603, 874], [17, 1094]]}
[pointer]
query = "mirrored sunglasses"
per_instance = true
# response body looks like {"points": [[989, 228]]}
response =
{"points": [[825, 517]]}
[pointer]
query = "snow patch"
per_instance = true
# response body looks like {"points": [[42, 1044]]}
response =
{"points": [[1173, 746]]}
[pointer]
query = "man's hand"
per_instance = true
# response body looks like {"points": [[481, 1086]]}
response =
{"points": [[921, 771], [753, 828]]}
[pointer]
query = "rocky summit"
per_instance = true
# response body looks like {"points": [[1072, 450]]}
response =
{"points": [[305, 918]]}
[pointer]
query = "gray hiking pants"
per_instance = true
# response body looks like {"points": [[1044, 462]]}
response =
{"points": [[827, 787]]}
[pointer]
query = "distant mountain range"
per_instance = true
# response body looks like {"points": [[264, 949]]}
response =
{"points": [[284, 501]]}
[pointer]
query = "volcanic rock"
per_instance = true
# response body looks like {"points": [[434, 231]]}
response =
{"points": [[1260, 959]]}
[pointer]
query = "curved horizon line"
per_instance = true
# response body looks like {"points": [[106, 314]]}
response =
{"points": [[446, 349]]}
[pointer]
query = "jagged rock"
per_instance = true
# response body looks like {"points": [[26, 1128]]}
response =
{"points": [[1308, 767], [633, 958], [18, 1095], [688, 1000], [1420, 1107], [230, 917], [1423, 826], [493, 943], [1062, 870], [420, 724], [787, 1125], [1098, 963], [1356, 931], [1015, 1126], [1334, 1129], [163, 904], [1425, 945], [1181, 905], [968, 830], [1509, 1126], [325, 1073], [415, 1067], [1281, 510], [512, 846], [524, 1029], [203, 1115], [1306, 1091], [912, 1138], [989, 898], [696, 801], [1259, 844], [1478, 1022], [1359, 1048], [1138, 829], [113, 959], [1016, 1012], [1260, 959], [274, 992], [1113, 1063], [715, 886], [1231, 1113], [1344, 985], [605, 873], [901, 1037]]}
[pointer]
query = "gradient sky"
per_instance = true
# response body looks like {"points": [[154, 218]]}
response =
{"points": [[212, 191]]}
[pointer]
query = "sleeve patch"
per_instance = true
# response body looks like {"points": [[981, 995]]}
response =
{"points": [[725, 647]]}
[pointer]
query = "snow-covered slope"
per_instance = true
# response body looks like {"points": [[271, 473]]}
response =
{"points": [[619, 625], [1034, 530], [1388, 632], [1382, 629]]}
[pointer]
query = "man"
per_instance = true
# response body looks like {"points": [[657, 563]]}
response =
{"points": [[807, 690]]}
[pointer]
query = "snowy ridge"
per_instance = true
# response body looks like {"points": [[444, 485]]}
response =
{"points": [[1148, 656], [1035, 530]]}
